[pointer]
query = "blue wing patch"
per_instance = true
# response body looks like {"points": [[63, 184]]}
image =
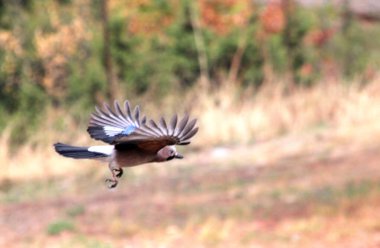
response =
{"points": [[128, 130]]}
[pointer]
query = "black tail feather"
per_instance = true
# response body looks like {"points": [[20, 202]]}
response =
{"points": [[76, 152]]}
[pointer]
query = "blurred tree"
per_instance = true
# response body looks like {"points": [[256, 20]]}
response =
{"points": [[295, 30], [71, 54], [353, 44], [199, 42], [113, 87]]}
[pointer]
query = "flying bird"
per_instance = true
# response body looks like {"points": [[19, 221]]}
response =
{"points": [[132, 140]]}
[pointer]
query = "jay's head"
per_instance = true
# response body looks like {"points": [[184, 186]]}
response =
{"points": [[168, 153]]}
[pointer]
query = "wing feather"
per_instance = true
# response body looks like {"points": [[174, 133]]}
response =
{"points": [[112, 115], [163, 126], [100, 115], [155, 127], [143, 120], [152, 131], [173, 124], [137, 115], [147, 131], [128, 110], [121, 127], [190, 134], [188, 128], [182, 124], [120, 112]]}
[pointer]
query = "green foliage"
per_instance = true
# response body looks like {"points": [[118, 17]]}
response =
{"points": [[75, 210], [86, 78], [183, 51], [31, 101], [154, 61], [60, 226], [352, 50], [277, 54], [298, 24], [252, 65], [22, 99]]}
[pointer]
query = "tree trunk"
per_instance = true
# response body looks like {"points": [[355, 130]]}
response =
{"points": [[236, 60], [112, 92], [199, 43], [288, 7]]}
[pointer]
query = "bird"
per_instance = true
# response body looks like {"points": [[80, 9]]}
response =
{"points": [[132, 140]]}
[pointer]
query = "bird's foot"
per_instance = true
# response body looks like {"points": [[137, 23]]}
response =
{"points": [[111, 183], [118, 172]]}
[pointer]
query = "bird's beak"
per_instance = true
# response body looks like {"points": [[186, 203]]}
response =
{"points": [[178, 156]]}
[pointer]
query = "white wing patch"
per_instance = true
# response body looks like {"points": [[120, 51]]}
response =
{"points": [[112, 131], [107, 150]]}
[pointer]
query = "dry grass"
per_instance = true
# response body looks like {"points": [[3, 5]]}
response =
{"points": [[348, 112]]}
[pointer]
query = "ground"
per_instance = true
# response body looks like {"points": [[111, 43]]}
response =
{"points": [[287, 192]]}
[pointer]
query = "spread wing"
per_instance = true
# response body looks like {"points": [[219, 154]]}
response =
{"points": [[115, 126]]}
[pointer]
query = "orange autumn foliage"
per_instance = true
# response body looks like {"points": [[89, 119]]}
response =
{"points": [[273, 18], [224, 15], [319, 37]]}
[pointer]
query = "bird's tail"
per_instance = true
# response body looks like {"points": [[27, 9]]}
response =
{"points": [[83, 152]]}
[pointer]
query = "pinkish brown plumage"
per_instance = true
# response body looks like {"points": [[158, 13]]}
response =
{"points": [[132, 140]]}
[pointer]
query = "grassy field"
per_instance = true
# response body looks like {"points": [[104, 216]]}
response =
{"points": [[305, 174], [221, 197]]}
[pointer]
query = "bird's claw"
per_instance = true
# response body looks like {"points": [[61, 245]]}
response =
{"points": [[118, 172], [111, 183]]}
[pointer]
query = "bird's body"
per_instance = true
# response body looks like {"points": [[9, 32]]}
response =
{"points": [[132, 141], [133, 156]]}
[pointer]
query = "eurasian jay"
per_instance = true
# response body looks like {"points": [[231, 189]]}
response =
{"points": [[133, 141]]}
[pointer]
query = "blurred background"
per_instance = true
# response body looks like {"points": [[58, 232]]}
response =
{"points": [[287, 96]]}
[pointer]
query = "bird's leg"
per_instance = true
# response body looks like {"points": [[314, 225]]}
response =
{"points": [[112, 183], [118, 172]]}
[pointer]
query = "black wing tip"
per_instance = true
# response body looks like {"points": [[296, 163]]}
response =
{"points": [[184, 143], [97, 133], [143, 120]]}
